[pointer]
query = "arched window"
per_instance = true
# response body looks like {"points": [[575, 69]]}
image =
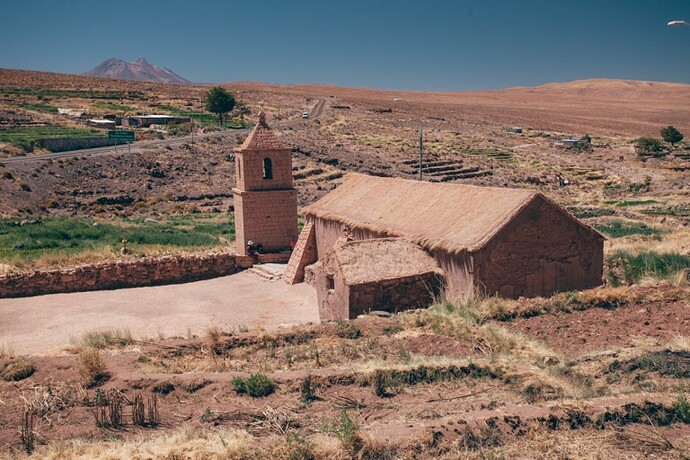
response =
{"points": [[268, 169]]}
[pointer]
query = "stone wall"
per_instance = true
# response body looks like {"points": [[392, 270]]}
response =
{"points": [[123, 274], [74, 143]]}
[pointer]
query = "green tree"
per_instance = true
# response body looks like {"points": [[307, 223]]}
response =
{"points": [[671, 134], [219, 101], [648, 145]]}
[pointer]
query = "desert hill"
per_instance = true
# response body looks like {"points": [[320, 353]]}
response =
{"points": [[139, 70]]}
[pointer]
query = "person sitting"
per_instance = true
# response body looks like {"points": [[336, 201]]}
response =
{"points": [[252, 251]]}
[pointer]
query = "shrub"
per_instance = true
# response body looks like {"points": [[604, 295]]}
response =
{"points": [[17, 369], [347, 330], [91, 367], [647, 144], [256, 385], [671, 134], [681, 409]]}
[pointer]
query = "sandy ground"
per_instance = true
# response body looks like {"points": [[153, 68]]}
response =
{"points": [[38, 324]]}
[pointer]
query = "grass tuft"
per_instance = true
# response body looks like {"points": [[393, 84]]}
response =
{"points": [[256, 385], [17, 369]]}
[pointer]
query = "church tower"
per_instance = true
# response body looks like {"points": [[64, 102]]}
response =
{"points": [[265, 201]]}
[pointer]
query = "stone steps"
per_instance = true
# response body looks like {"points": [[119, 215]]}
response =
{"points": [[270, 272]]}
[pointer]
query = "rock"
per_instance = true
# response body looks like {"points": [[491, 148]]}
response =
{"points": [[380, 314], [551, 361]]}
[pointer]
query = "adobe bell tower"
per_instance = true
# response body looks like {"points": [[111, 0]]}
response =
{"points": [[265, 201]]}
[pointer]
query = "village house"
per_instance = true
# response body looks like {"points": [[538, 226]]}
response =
{"points": [[510, 242]]}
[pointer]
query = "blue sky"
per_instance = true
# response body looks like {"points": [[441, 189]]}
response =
{"points": [[416, 45]]}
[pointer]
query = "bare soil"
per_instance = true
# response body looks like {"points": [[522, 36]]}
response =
{"points": [[599, 329]]}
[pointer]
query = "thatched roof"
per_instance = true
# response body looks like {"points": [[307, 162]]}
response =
{"points": [[262, 138], [381, 259], [451, 217]]}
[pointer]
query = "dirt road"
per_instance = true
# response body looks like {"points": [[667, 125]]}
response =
{"points": [[38, 324]]}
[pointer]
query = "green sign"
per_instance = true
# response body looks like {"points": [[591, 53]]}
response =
{"points": [[121, 136]]}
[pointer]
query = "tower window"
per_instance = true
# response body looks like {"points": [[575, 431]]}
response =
{"points": [[268, 169], [239, 168]]}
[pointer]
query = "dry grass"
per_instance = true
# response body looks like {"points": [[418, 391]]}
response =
{"points": [[91, 367], [103, 339], [6, 347]]}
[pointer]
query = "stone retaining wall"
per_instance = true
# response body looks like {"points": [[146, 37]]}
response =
{"points": [[74, 143], [122, 274]]}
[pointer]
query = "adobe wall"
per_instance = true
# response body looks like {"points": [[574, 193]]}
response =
{"points": [[250, 166], [123, 274], [458, 270], [267, 218], [394, 295], [541, 252], [328, 232]]}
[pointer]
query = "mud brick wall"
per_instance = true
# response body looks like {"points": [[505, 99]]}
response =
{"points": [[250, 170], [394, 295], [122, 274], [268, 218], [540, 252]]}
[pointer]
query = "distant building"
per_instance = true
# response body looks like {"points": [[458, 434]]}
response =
{"points": [[107, 124], [71, 112], [573, 143], [144, 121]]}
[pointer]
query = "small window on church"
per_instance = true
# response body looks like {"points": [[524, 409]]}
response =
{"points": [[330, 282], [268, 169], [239, 168]]}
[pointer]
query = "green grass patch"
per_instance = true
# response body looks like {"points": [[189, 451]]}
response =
{"points": [[650, 263], [680, 210], [114, 107], [590, 211], [39, 107], [628, 203], [27, 136], [256, 385], [71, 236], [619, 228]]}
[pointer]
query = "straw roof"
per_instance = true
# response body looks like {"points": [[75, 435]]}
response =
{"points": [[451, 217], [262, 138], [376, 260]]}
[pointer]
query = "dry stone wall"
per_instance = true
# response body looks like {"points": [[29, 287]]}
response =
{"points": [[122, 274]]}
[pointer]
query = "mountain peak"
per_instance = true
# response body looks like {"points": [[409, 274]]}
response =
{"points": [[139, 70]]}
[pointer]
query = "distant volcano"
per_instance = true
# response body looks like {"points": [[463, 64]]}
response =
{"points": [[139, 70]]}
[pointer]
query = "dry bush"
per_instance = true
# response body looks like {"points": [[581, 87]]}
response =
{"points": [[27, 435], [17, 369], [91, 367]]}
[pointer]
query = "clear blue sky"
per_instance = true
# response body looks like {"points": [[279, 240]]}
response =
{"points": [[396, 44]]}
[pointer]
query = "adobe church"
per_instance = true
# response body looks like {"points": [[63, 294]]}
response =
{"points": [[390, 244]]}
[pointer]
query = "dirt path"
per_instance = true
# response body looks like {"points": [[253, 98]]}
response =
{"points": [[37, 324]]}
